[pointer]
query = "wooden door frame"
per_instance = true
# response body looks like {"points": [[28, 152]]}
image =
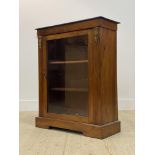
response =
{"points": [[43, 81]]}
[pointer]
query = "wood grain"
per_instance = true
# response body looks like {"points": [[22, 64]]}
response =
{"points": [[103, 79]]}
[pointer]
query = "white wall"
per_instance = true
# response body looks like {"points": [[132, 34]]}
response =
{"points": [[40, 13]]}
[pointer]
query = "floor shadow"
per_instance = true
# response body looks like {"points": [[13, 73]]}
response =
{"points": [[65, 130]]}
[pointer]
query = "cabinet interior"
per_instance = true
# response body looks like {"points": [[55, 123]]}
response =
{"points": [[67, 75]]}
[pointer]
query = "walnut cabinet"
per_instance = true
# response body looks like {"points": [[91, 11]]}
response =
{"points": [[78, 77]]}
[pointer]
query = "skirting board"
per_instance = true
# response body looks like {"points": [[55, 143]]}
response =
{"points": [[32, 105]]}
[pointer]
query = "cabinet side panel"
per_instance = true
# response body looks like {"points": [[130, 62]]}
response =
{"points": [[108, 58], [102, 76]]}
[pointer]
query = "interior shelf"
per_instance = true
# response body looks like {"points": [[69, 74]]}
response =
{"points": [[67, 62], [67, 76], [71, 89]]}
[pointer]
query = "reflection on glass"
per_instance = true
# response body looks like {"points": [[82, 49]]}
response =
{"points": [[68, 76]]}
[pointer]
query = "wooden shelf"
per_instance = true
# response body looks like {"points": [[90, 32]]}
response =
{"points": [[68, 62], [79, 44], [70, 89]]}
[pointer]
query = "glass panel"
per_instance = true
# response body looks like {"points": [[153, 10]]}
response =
{"points": [[68, 76]]}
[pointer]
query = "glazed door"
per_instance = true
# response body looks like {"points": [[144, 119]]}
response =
{"points": [[66, 76]]}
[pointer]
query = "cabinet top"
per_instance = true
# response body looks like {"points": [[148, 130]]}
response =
{"points": [[79, 25]]}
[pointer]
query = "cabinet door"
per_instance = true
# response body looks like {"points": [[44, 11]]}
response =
{"points": [[65, 74]]}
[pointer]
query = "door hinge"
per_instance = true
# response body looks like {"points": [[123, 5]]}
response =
{"points": [[45, 76], [39, 41], [97, 34]]}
